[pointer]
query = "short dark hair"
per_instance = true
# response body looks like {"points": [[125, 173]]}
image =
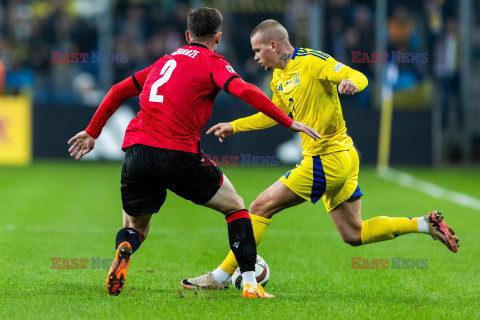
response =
{"points": [[204, 22]]}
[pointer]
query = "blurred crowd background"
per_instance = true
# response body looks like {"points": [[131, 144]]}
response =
{"points": [[30, 30]]}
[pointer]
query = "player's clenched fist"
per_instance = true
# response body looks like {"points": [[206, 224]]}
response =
{"points": [[347, 87], [83, 143], [222, 130]]}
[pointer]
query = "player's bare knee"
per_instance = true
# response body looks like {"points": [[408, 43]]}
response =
{"points": [[259, 207], [354, 242], [353, 239], [255, 208]]}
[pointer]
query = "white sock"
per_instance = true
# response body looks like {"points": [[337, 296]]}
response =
{"points": [[220, 275], [422, 225], [249, 277]]}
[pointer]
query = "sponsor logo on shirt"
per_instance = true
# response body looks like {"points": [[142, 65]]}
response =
{"points": [[229, 68], [280, 87]]}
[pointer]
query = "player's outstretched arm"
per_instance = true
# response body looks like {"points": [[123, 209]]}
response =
{"points": [[225, 129], [118, 94], [82, 143], [257, 99]]}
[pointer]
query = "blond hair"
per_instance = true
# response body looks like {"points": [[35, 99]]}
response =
{"points": [[270, 30]]}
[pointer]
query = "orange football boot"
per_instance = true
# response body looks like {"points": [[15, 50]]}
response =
{"points": [[439, 230], [118, 271], [251, 292]]}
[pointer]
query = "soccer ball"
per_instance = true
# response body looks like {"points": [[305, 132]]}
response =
{"points": [[262, 273]]}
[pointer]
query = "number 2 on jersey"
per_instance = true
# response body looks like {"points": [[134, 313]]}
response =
{"points": [[166, 73]]}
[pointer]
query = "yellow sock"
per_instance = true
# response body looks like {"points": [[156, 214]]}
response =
{"points": [[260, 225], [385, 228]]}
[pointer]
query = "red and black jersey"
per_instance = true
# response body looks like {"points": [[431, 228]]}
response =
{"points": [[176, 99]]}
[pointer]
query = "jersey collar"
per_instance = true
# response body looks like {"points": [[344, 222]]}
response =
{"points": [[198, 45], [294, 53]]}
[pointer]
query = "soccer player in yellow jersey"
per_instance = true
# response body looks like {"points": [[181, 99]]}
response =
{"points": [[305, 83]]}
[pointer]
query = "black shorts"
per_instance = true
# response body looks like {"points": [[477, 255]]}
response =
{"points": [[148, 172]]}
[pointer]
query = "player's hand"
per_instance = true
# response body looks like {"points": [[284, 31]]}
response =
{"points": [[347, 87], [83, 143], [300, 127], [222, 130]]}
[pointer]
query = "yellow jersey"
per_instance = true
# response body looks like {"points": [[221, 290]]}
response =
{"points": [[307, 88]]}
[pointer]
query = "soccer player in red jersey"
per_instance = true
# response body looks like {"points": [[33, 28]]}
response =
{"points": [[162, 144]]}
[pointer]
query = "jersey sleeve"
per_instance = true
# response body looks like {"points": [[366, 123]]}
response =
{"points": [[120, 92], [259, 120], [326, 68], [221, 72], [140, 77]]}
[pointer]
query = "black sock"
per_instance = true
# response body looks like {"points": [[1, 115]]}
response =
{"points": [[242, 240], [131, 236]]}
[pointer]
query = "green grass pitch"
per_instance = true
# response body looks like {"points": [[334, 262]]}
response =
{"points": [[72, 210]]}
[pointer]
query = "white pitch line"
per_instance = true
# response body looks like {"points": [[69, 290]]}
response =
{"points": [[431, 189]]}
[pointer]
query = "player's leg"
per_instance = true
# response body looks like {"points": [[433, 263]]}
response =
{"points": [[226, 200], [128, 240], [141, 197], [241, 240], [141, 224], [240, 234], [135, 230], [277, 197], [346, 214], [347, 219], [274, 199], [207, 186], [354, 231]]}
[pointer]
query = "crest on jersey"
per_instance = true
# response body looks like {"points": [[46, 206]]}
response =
{"points": [[230, 69], [288, 84], [296, 79]]}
